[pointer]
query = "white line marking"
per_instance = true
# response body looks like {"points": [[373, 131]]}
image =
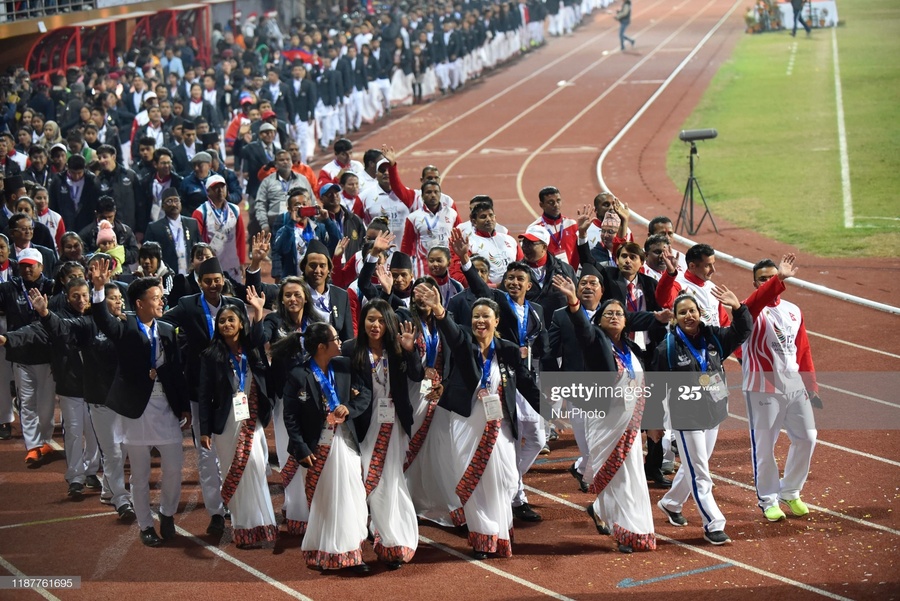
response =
{"points": [[836, 514], [485, 566], [57, 520], [735, 563], [790, 65], [687, 241], [15, 572], [842, 134], [859, 396], [819, 441], [853, 344], [240, 564]]}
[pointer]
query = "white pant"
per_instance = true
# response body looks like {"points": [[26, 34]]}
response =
{"points": [[531, 440], [584, 451], [768, 414], [384, 86], [326, 117], [112, 455], [34, 385], [208, 468], [6, 376], [300, 131], [693, 477], [82, 452], [171, 460]]}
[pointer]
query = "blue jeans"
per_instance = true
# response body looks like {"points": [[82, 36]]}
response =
{"points": [[623, 25], [798, 16]]}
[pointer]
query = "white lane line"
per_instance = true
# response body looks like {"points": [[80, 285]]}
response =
{"points": [[735, 563], [637, 217], [520, 189], [791, 58], [830, 512], [859, 396], [842, 134], [58, 520], [15, 572], [819, 441], [240, 564], [486, 566], [853, 344]]}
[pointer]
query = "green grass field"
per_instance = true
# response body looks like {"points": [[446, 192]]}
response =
{"points": [[775, 167]]}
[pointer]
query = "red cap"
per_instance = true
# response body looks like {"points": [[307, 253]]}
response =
{"points": [[268, 115]]}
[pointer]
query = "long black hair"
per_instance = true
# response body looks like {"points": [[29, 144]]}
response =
{"points": [[391, 333], [218, 348], [413, 307], [309, 312]]}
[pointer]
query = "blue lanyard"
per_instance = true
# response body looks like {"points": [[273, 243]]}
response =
{"points": [[240, 368], [699, 355], [209, 320], [523, 322], [625, 358], [327, 384], [221, 217], [151, 335], [557, 239], [308, 233], [431, 343], [429, 224], [486, 367]]}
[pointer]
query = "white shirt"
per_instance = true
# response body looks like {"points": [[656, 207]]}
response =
{"points": [[376, 203]]}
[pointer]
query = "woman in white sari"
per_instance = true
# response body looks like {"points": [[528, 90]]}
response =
{"points": [[616, 472], [480, 393]]}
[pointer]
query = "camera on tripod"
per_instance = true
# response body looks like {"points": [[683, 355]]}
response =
{"points": [[686, 214]]}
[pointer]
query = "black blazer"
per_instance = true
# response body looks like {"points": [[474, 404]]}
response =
{"points": [[131, 386], [188, 316], [186, 285], [580, 357], [304, 406], [181, 165], [460, 306], [215, 392], [536, 333], [466, 370], [402, 368], [159, 231], [61, 202], [547, 295]]}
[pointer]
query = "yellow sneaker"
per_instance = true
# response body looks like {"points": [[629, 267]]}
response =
{"points": [[774, 513], [797, 506]]}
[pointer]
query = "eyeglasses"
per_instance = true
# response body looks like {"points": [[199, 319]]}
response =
{"points": [[24, 229], [611, 314]]}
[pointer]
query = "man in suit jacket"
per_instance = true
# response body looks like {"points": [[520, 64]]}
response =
{"points": [[175, 233], [74, 194], [303, 96], [152, 188], [149, 392], [193, 316], [543, 266], [184, 152], [276, 92]]}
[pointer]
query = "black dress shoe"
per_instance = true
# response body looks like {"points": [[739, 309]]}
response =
{"points": [[126, 512], [149, 538], [5, 431], [479, 555], [625, 549], [660, 480], [216, 525], [166, 526], [362, 568], [581, 483], [599, 524], [394, 565], [525, 513]]}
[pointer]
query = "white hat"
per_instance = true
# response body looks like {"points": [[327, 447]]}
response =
{"points": [[30, 256], [149, 95], [536, 233], [213, 180]]}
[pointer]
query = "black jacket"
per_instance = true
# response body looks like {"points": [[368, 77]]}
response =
{"points": [[304, 102], [305, 406], [403, 368], [131, 388], [123, 185], [466, 370], [124, 236], [687, 412], [33, 348], [159, 231], [61, 201], [216, 390], [145, 199]]}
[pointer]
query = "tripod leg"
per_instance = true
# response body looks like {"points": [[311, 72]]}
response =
{"points": [[706, 210], [685, 213]]}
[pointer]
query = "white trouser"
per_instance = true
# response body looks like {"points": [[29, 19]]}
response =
{"points": [[584, 451], [104, 421], [384, 86], [300, 130], [34, 385], [324, 118], [693, 477], [342, 115], [171, 460], [82, 452], [208, 467], [768, 414], [355, 106], [6, 376], [281, 434], [531, 440], [442, 72]]}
